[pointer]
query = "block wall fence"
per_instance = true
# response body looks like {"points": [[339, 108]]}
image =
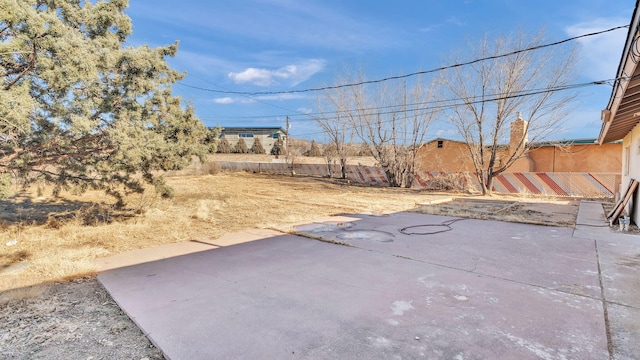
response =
{"points": [[568, 184]]}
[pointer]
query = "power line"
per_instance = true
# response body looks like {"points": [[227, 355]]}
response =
{"points": [[244, 95], [538, 47], [456, 102], [432, 105]]}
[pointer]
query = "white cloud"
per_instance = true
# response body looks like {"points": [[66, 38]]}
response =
{"points": [[456, 21], [290, 74], [261, 77], [601, 53], [254, 99], [280, 97], [429, 28], [224, 100]]}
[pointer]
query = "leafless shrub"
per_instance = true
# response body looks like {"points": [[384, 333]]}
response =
{"points": [[450, 182], [383, 116], [211, 168]]}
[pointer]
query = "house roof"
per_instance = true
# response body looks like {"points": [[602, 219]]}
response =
{"points": [[541, 143], [257, 129], [623, 111], [565, 142], [447, 140]]}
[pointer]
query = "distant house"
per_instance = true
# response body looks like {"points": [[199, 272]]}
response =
{"points": [[267, 135], [622, 115], [582, 155]]}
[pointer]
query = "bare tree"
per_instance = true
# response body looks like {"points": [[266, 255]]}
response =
{"points": [[295, 150], [393, 119], [335, 107], [488, 94]]}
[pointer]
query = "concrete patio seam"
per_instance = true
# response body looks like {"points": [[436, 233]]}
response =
{"points": [[471, 271], [604, 305]]}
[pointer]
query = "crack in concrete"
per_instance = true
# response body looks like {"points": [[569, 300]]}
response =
{"points": [[323, 239], [604, 305], [473, 271]]}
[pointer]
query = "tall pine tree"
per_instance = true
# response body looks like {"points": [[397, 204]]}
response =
{"points": [[257, 147], [224, 147], [79, 108], [241, 147]]}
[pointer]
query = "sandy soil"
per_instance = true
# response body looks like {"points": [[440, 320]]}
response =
{"points": [[77, 319]]}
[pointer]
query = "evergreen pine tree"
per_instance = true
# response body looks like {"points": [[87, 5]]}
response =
{"points": [[241, 147], [314, 150], [278, 147], [211, 139], [224, 147], [257, 147], [82, 108]]}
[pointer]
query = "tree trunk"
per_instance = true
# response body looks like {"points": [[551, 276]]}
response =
{"points": [[343, 167], [489, 185], [391, 176], [329, 167]]}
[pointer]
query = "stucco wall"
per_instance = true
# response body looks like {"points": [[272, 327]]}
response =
{"points": [[574, 158], [632, 143], [453, 157]]}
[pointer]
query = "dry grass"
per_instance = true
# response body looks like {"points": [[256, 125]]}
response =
{"points": [[46, 239], [528, 210], [61, 238]]}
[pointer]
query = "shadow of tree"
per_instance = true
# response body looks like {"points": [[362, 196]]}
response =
{"points": [[21, 209]]}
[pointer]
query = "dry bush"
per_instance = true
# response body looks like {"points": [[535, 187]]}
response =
{"points": [[89, 215], [450, 182], [197, 167], [211, 168], [202, 211]]}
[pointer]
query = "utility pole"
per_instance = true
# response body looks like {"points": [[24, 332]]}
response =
{"points": [[286, 136], [287, 156]]}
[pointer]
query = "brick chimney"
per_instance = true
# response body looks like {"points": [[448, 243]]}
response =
{"points": [[518, 132]]}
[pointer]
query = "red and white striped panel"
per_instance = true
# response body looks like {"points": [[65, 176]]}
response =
{"points": [[594, 185]]}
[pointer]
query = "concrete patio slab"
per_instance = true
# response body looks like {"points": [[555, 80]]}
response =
{"points": [[530, 254], [298, 298], [619, 261], [402, 286], [142, 256], [135, 257]]}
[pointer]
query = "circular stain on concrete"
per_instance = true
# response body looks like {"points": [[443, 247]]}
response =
{"points": [[375, 235]]}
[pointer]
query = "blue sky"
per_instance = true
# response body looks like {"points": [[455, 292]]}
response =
{"points": [[281, 45]]}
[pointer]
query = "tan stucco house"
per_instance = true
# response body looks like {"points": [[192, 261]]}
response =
{"points": [[267, 135], [581, 155], [621, 117]]}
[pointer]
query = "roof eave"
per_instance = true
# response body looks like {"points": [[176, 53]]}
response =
{"points": [[626, 68]]}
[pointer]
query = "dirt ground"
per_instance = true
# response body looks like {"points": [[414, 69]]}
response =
{"points": [[503, 208], [47, 316], [70, 320]]}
